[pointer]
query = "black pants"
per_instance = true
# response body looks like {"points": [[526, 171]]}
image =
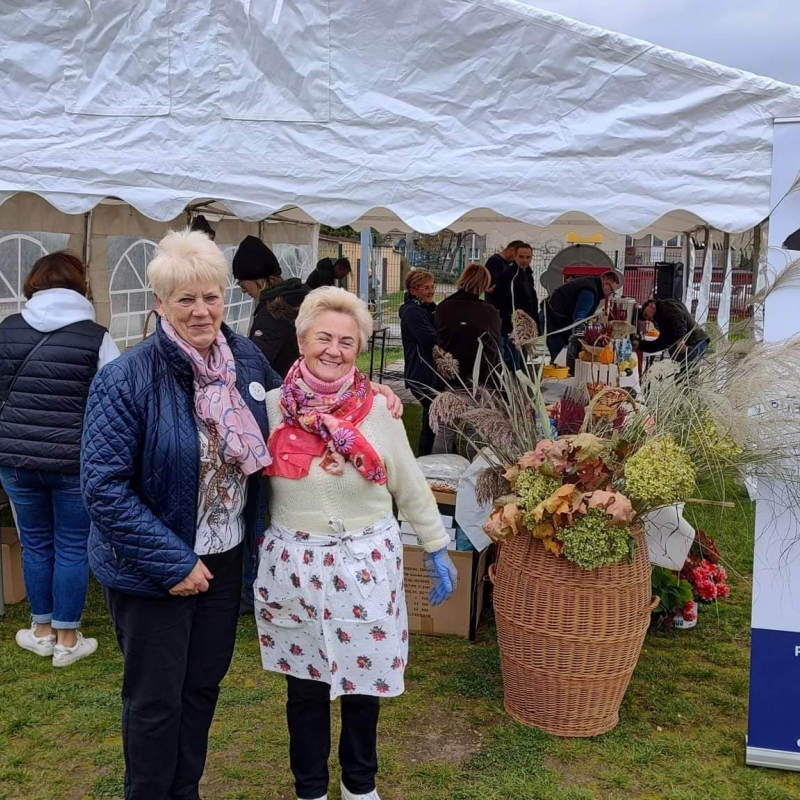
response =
{"points": [[426, 433], [308, 712], [176, 651]]}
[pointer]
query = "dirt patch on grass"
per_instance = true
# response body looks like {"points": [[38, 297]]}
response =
{"points": [[572, 773], [442, 737]]}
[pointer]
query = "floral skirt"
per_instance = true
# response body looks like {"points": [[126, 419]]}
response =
{"points": [[333, 609]]}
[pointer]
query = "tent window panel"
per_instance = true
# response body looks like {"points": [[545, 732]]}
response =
{"points": [[117, 64], [296, 260], [254, 84], [19, 251], [131, 295], [238, 306]]}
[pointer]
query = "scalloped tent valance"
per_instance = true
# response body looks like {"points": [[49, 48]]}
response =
{"points": [[479, 114]]}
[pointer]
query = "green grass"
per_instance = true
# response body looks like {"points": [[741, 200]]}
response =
{"points": [[680, 737], [392, 354]]}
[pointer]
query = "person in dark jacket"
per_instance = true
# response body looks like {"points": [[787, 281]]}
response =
{"points": [[174, 449], [572, 302], [515, 290], [258, 273], [463, 320], [49, 355], [678, 331], [498, 264], [419, 337], [329, 272]]}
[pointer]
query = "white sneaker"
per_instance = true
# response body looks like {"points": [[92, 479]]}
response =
{"points": [[41, 645], [324, 797], [64, 656], [373, 795]]}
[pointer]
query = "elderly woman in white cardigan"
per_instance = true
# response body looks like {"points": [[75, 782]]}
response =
{"points": [[330, 602]]}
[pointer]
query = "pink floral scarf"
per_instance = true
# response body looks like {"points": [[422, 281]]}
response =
{"points": [[318, 425], [220, 405]]}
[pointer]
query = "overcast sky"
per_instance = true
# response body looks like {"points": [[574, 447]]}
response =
{"points": [[761, 36]]}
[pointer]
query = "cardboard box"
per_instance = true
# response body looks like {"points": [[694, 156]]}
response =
{"points": [[459, 615], [13, 584]]}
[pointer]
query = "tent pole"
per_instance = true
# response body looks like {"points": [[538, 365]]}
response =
{"points": [[363, 264], [87, 250]]}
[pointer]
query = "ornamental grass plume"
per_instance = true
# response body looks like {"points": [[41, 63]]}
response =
{"points": [[659, 474], [524, 329], [492, 425], [446, 364], [447, 409], [490, 484]]}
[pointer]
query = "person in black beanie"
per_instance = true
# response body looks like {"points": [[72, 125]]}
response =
{"points": [[329, 272], [258, 273], [278, 301]]}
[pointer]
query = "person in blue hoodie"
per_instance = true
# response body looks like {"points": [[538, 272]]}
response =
{"points": [[49, 354], [419, 337]]}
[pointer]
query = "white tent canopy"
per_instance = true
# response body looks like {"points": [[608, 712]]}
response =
{"points": [[396, 114]]}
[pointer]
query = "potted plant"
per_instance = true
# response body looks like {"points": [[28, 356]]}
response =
{"points": [[706, 576], [676, 599], [570, 484]]}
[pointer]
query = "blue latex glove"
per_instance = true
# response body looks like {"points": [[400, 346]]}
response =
{"points": [[443, 574]]}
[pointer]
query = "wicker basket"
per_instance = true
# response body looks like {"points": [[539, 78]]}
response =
{"points": [[569, 639]]}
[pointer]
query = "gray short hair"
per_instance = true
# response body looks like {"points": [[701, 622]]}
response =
{"points": [[186, 257], [332, 298]]}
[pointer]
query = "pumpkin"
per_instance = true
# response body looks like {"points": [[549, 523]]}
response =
{"points": [[606, 355]]}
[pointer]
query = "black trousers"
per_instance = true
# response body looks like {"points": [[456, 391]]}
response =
{"points": [[308, 712], [176, 651], [426, 434]]}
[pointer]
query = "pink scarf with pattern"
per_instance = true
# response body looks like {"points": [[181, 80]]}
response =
{"points": [[220, 405], [323, 425]]}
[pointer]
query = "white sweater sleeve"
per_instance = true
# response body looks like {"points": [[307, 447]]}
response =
{"points": [[407, 484]]}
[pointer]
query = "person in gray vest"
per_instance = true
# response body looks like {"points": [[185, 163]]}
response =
{"points": [[570, 303], [49, 355]]}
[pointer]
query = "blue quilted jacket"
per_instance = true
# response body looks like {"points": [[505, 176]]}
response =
{"points": [[140, 462]]}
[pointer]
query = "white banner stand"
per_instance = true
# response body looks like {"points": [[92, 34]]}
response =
{"points": [[773, 730]]}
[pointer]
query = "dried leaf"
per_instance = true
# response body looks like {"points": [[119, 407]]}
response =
{"points": [[511, 474], [553, 546], [544, 530], [551, 457], [503, 523], [616, 505], [589, 447], [561, 506]]}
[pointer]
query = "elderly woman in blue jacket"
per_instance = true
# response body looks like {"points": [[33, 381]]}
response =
{"points": [[173, 454]]}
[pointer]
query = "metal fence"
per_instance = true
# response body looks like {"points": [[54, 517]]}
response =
{"points": [[640, 284]]}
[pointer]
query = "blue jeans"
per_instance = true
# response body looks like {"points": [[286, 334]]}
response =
{"points": [[696, 352], [511, 355], [53, 529]]}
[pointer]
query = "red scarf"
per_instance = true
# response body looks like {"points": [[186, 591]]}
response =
{"points": [[323, 426]]}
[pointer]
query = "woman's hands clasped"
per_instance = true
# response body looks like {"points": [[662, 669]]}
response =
{"points": [[195, 582], [443, 574]]}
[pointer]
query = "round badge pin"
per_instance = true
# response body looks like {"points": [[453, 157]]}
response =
{"points": [[257, 391]]}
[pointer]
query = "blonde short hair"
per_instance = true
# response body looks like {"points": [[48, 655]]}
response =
{"points": [[475, 279], [416, 278], [183, 258], [332, 298]]}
